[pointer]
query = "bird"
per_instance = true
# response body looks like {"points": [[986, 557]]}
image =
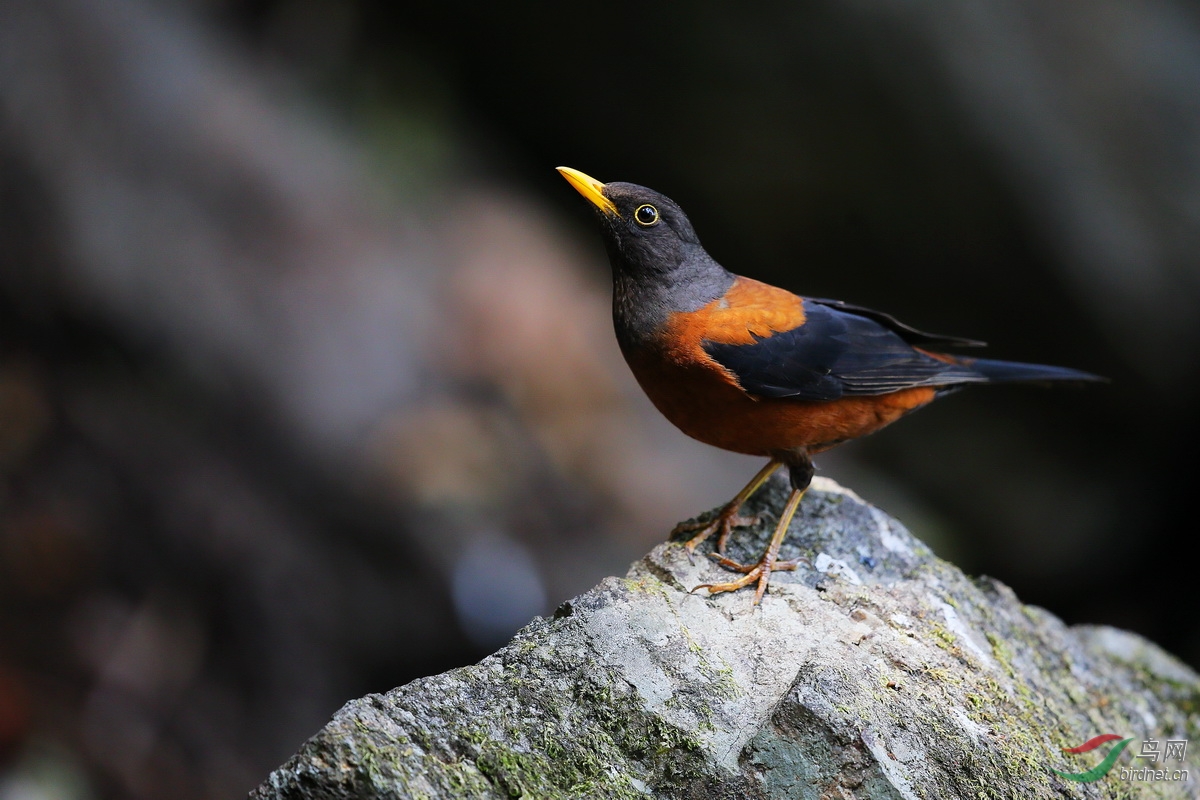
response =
{"points": [[749, 367]]}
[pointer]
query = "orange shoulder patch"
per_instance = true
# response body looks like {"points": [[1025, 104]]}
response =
{"points": [[750, 308]]}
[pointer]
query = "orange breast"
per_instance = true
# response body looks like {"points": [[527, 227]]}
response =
{"points": [[705, 401]]}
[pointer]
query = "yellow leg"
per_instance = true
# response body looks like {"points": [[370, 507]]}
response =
{"points": [[727, 518], [769, 562]]}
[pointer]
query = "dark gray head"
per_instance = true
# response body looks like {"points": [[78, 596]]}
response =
{"points": [[658, 263], [648, 233]]}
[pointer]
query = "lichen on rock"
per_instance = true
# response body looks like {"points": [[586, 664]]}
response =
{"points": [[880, 671]]}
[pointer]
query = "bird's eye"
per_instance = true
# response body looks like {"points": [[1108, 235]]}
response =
{"points": [[646, 215]]}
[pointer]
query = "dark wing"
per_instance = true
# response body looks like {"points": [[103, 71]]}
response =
{"points": [[840, 350], [906, 332]]}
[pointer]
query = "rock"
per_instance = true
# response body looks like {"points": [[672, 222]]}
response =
{"points": [[880, 671]]}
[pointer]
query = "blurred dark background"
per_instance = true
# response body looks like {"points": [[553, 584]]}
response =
{"points": [[307, 386]]}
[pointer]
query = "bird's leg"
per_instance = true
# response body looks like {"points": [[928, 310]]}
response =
{"points": [[727, 518], [760, 572], [801, 470]]}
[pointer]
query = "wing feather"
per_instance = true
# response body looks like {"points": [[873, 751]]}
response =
{"points": [[839, 351]]}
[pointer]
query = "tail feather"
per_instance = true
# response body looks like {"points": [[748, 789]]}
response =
{"points": [[994, 371]]}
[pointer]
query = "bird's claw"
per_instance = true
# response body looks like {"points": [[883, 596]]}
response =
{"points": [[722, 524], [760, 572], [779, 566]]}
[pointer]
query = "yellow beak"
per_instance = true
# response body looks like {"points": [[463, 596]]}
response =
{"points": [[590, 188]]}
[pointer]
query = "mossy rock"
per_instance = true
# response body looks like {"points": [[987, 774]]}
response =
{"points": [[879, 672]]}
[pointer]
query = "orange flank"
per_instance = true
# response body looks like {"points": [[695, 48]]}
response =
{"points": [[705, 400], [708, 405]]}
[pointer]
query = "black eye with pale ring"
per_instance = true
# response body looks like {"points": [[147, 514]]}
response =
{"points": [[646, 215]]}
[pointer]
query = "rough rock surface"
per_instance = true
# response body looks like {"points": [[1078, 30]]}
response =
{"points": [[878, 672]]}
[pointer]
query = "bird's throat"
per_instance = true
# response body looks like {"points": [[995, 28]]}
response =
{"points": [[643, 302]]}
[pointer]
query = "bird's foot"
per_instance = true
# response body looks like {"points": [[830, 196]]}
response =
{"points": [[721, 524], [760, 572]]}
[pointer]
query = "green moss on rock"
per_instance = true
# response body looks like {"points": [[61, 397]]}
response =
{"points": [[912, 681]]}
